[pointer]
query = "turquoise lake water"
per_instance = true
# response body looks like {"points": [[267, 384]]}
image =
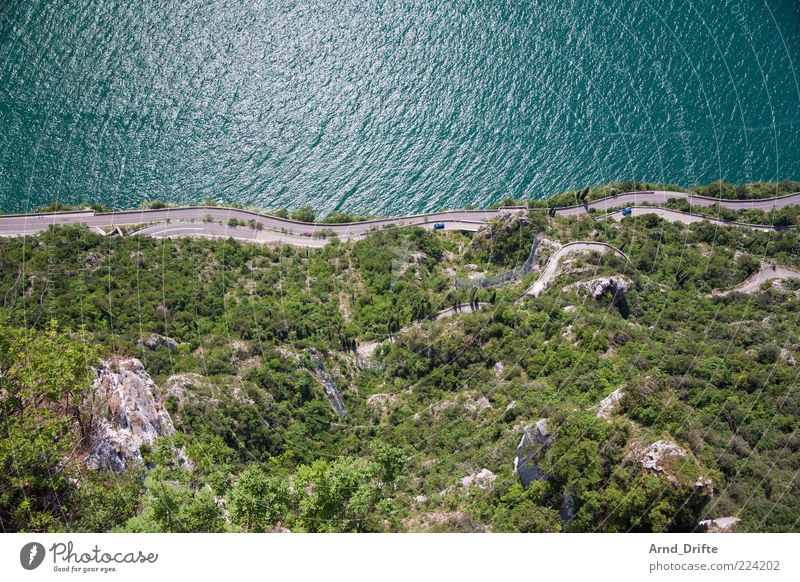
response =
{"points": [[389, 107]]}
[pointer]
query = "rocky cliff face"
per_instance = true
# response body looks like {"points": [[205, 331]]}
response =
{"points": [[616, 286], [329, 384], [128, 412], [532, 447]]}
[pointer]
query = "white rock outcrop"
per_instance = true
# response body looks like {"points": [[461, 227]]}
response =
{"points": [[381, 402], [483, 479], [456, 521], [128, 412], [655, 457], [534, 444], [155, 340], [616, 286], [332, 391], [192, 386], [607, 405], [719, 525], [652, 457], [481, 403]]}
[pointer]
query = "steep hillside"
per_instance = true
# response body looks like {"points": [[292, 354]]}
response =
{"points": [[194, 385]]}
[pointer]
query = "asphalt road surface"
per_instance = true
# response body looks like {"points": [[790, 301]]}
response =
{"points": [[211, 221], [685, 217], [662, 196], [551, 270], [207, 219], [766, 273]]}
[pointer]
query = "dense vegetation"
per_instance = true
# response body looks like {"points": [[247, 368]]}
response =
{"points": [[441, 402]]}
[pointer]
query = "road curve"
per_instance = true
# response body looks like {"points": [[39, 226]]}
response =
{"points": [[303, 238], [550, 271], [216, 230], [29, 224], [753, 283], [663, 196], [688, 218]]}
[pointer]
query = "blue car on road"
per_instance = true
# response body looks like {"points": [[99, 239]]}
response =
{"points": [[627, 211], [438, 226]]}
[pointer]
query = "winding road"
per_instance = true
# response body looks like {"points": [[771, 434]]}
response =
{"points": [[212, 221], [205, 221], [767, 272], [663, 196], [551, 270], [687, 218]]}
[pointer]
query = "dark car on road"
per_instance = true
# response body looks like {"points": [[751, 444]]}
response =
{"points": [[438, 225]]}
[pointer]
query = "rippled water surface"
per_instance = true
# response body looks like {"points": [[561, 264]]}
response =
{"points": [[389, 106]]}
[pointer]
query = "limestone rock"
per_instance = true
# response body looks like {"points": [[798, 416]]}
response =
{"points": [[443, 521], [719, 525], [531, 449], [381, 402], [652, 457], [128, 413], [178, 385], [328, 383], [193, 386], [239, 347], [481, 403], [484, 479], [658, 456], [617, 286], [438, 409], [155, 340], [607, 405]]}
